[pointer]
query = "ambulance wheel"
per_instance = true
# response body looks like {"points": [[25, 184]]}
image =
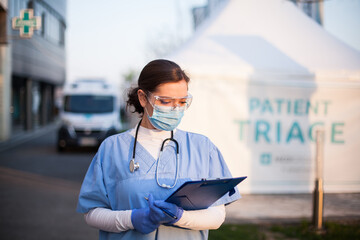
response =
{"points": [[61, 146]]}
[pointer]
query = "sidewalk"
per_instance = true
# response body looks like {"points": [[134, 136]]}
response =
{"points": [[25, 136], [272, 208]]}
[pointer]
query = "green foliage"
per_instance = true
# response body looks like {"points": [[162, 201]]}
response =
{"points": [[340, 230], [331, 231], [130, 75]]}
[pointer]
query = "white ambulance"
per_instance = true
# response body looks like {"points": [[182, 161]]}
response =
{"points": [[90, 112]]}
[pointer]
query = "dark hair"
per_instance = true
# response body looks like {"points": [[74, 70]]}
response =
{"points": [[153, 74]]}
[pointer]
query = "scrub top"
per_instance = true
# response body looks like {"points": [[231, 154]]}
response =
{"points": [[110, 184]]}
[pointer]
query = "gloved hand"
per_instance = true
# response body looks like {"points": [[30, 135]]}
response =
{"points": [[146, 220], [172, 208], [143, 219]]}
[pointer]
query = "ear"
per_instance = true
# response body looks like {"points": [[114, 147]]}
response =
{"points": [[142, 97]]}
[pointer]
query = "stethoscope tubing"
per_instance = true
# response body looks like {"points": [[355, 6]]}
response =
{"points": [[135, 166]]}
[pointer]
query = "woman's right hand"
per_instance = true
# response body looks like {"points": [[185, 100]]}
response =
{"points": [[148, 219]]}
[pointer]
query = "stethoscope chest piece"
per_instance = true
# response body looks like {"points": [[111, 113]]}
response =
{"points": [[133, 166]]}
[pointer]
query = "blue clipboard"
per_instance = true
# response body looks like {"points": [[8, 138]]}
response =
{"points": [[196, 195]]}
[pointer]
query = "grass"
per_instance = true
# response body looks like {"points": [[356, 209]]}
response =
{"points": [[232, 231], [339, 230]]}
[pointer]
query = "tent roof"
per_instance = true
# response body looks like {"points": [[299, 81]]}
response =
{"points": [[269, 39]]}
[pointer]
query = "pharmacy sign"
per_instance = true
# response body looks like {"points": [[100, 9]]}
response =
{"points": [[26, 23]]}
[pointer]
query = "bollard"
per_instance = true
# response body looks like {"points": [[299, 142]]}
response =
{"points": [[318, 205], [318, 195]]}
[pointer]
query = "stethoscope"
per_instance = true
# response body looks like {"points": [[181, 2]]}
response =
{"points": [[135, 166]]}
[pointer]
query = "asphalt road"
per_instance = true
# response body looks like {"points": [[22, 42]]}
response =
{"points": [[39, 189]]}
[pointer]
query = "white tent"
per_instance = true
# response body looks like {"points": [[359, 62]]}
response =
{"points": [[264, 78]]}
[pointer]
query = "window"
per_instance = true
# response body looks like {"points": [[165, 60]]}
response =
{"points": [[43, 24], [30, 5], [89, 104], [62, 34]]}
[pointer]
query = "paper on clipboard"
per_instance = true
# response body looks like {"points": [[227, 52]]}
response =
{"points": [[196, 195]]}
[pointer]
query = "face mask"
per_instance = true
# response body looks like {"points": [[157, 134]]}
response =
{"points": [[166, 118]]}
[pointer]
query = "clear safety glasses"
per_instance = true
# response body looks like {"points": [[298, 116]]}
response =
{"points": [[173, 102]]}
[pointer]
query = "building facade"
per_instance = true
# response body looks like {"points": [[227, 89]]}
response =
{"points": [[312, 8], [200, 14], [31, 68]]}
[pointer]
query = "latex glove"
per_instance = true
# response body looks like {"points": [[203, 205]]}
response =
{"points": [[172, 208], [144, 219]]}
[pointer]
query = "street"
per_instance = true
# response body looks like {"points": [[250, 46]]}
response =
{"points": [[39, 189]]}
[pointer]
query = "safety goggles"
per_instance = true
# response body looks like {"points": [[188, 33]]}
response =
{"points": [[173, 102]]}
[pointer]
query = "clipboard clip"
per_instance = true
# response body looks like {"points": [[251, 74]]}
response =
{"points": [[204, 179], [231, 192]]}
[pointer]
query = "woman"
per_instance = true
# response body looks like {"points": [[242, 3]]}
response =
{"points": [[132, 174]]}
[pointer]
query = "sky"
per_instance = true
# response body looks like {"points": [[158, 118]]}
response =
{"points": [[342, 19], [109, 38]]}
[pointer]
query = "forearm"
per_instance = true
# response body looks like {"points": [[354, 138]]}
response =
{"points": [[109, 220], [210, 218]]}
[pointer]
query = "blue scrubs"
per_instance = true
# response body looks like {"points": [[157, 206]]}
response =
{"points": [[109, 183]]}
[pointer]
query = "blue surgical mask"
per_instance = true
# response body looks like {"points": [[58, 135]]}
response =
{"points": [[166, 118]]}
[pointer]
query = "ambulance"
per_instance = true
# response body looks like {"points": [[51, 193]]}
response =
{"points": [[90, 113]]}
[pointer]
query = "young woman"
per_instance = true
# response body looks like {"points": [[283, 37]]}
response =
{"points": [[133, 172]]}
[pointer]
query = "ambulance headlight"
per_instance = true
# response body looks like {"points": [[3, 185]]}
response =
{"points": [[66, 123]]}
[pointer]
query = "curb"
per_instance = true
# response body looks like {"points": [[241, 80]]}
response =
{"points": [[275, 220]]}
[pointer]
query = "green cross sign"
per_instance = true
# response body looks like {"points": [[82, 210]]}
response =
{"points": [[26, 23]]}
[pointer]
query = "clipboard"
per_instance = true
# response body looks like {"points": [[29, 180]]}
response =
{"points": [[196, 195]]}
